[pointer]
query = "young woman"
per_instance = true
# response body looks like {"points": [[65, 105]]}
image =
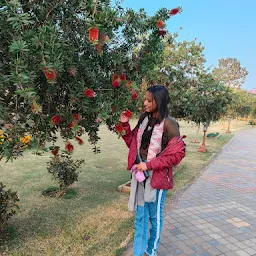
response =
{"points": [[155, 146]]}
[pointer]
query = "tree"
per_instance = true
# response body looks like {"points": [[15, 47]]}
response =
{"points": [[68, 65], [240, 105], [230, 72], [183, 62], [208, 100]]}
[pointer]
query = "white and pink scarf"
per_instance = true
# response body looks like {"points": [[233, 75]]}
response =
{"points": [[139, 195]]}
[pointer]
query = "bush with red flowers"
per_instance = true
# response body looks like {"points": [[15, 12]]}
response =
{"points": [[67, 68], [61, 76]]}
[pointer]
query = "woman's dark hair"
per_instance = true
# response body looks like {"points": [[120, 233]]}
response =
{"points": [[161, 96]]}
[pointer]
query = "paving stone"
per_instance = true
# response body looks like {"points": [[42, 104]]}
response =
{"points": [[250, 251], [242, 253]]}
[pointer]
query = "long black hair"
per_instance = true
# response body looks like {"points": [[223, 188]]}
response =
{"points": [[161, 96]]}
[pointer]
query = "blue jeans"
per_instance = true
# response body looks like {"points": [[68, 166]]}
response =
{"points": [[152, 212]]}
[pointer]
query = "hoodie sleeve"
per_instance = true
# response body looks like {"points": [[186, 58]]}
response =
{"points": [[129, 134]]}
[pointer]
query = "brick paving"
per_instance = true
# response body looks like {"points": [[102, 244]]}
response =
{"points": [[216, 215]]}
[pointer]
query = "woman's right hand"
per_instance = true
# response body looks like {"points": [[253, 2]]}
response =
{"points": [[123, 118]]}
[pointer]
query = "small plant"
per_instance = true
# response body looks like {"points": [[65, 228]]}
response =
{"points": [[252, 122], [8, 205], [213, 135], [64, 169]]}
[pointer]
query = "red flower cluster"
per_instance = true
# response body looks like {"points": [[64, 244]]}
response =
{"points": [[79, 140], [174, 11], [116, 79], [115, 83], [134, 96], [122, 77], [89, 93], [119, 128], [76, 117], [50, 73], [56, 119], [72, 124], [160, 24], [55, 151], [93, 34], [69, 147], [128, 113], [161, 32]]}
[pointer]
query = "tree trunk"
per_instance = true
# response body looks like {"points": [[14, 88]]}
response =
{"points": [[197, 134]]}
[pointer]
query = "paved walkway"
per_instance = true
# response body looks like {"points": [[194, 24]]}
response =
{"points": [[216, 215]]}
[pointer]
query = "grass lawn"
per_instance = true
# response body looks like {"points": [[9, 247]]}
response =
{"points": [[96, 221]]}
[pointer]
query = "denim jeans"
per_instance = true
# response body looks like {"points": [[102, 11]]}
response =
{"points": [[153, 213]]}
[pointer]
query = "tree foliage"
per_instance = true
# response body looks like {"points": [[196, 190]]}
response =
{"points": [[68, 65], [230, 72]]}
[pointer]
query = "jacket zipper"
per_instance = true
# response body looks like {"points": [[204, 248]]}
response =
{"points": [[167, 148]]}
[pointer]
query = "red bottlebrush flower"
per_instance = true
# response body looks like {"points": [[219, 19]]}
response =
{"points": [[69, 147], [119, 128], [184, 136], [128, 113], [161, 32], [174, 11], [115, 77], [122, 77], [55, 151], [79, 140], [89, 93], [56, 119], [72, 124], [160, 24], [115, 83], [50, 74], [76, 116], [93, 34], [134, 96]]}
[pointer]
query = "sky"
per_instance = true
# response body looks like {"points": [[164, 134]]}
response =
{"points": [[226, 28]]}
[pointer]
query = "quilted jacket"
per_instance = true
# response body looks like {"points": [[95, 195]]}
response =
{"points": [[162, 164]]}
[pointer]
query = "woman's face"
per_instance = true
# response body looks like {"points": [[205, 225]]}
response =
{"points": [[149, 103]]}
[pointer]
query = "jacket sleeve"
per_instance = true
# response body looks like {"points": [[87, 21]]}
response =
{"points": [[170, 156], [129, 134]]}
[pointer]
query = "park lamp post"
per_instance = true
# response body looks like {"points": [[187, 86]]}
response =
{"points": [[229, 122], [203, 148]]}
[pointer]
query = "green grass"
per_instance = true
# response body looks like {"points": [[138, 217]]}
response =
{"points": [[94, 220]]}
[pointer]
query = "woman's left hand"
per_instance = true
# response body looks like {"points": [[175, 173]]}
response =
{"points": [[141, 167]]}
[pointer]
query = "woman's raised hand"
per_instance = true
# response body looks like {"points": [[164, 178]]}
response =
{"points": [[123, 118]]}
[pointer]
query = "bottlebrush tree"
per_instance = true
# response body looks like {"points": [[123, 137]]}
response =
{"points": [[69, 65]]}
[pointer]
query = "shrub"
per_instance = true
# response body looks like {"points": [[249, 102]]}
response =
{"points": [[8, 205], [64, 169]]}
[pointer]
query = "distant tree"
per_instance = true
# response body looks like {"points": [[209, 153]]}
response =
{"points": [[230, 72], [208, 101], [182, 63]]}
